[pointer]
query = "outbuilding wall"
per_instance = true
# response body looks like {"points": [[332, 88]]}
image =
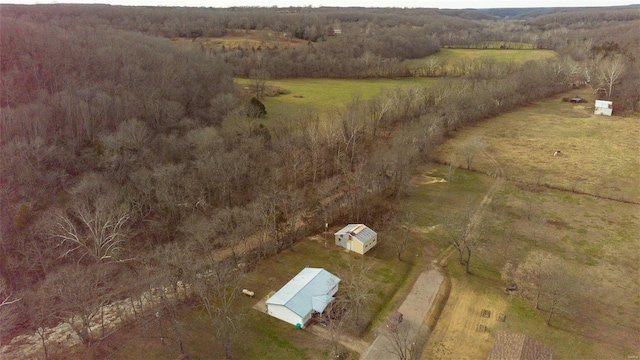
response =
{"points": [[286, 315]]}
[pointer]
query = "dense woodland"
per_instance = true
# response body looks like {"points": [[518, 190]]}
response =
{"points": [[118, 146]]}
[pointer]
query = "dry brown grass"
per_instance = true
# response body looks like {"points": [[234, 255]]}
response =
{"points": [[456, 335], [599, 153], [252, 39]]}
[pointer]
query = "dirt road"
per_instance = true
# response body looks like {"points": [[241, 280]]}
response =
{"points": [[414, 310]]}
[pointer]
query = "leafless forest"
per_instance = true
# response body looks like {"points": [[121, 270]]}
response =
{"points": [[126, 159]]}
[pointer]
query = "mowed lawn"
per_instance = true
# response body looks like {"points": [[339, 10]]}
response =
{"points": [[327, 95]]}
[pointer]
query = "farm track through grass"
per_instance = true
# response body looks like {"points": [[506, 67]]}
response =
{"points": [[596, 238]]}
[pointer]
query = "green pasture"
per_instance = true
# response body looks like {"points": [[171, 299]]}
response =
{"points": [[326, 95]]}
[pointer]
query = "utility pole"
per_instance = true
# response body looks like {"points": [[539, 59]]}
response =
{"points": [[326, 228]]}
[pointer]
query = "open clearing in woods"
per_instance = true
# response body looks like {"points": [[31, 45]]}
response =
{"points": [[325, 95], [248, 40], [597, 239]]}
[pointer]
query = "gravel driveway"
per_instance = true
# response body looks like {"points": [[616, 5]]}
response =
{"points": [[414, 310]]}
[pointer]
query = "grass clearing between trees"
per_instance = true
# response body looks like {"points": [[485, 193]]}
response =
{"points": [[325, 95], [247, 40], [515, 56], [448, 57]]}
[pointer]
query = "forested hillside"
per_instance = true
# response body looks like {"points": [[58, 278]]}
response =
{"points": [[117, 145]]}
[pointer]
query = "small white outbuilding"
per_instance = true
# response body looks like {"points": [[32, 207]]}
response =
{"points": [[604, 107], [356, 237], [309, 291]]}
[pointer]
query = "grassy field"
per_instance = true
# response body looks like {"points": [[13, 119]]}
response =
{"points": [[596, 238], [450, 59], [599, 153], [326, 95], [516, 56], [499, 45]]}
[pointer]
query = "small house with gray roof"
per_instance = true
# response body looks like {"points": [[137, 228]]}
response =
{"points": [[356, 237], [308, 292]]}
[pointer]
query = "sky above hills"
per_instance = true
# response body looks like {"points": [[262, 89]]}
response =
{"points": [[444, 4]]}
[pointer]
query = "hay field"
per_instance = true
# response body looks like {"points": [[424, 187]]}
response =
{"points": [[448, 57], [516, 56], [600, 154]]}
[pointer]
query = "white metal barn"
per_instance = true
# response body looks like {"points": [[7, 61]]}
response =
{"points": [[356, 237], [311, 290], [604, 107]]}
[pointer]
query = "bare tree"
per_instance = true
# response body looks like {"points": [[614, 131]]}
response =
{"points": [[402, 339], [539, 277], [8, 304], [292, 206], [167, 283], [259, 74], [533, 275], [353, 124], [610, 72], [378, 107], [333, 318], [358, 290], [96, 231], [450, 169], [405, 225], [269, 217], [39, 313], [472, 147], [7, 299], [82, 293], [464, 235], [217, 287]]}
